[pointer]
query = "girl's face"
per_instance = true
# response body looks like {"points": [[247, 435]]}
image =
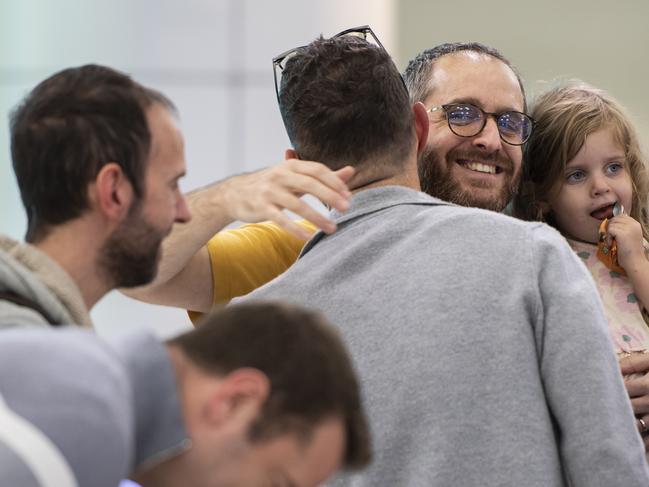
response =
{"points": [[592, 183]]}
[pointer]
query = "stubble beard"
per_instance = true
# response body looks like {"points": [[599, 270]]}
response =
{"points": [[437, 180], [130, 256]]}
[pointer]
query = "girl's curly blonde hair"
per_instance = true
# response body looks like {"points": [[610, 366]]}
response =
{"points": [[565, 115]]}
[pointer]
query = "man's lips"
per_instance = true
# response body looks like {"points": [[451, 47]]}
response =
{"points": [[602, 212], [480, 167]]}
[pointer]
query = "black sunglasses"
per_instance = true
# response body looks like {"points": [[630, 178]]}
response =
{"points": [[364, 32]]}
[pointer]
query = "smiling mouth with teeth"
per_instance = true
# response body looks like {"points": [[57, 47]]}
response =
{"points": [[479, 167]]}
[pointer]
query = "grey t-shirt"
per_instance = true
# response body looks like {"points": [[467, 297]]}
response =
{"points": [[107, 408]]}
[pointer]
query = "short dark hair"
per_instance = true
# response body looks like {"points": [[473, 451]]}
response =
{"points": [[66, 129], [419, 70], [310, 371], [343, 102]]}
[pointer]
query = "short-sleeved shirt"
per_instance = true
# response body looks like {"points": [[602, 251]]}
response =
{"points": [[248, 257]]}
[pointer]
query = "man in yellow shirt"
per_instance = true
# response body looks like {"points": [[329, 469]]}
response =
{"points": [[184, 277], [449, 76]]}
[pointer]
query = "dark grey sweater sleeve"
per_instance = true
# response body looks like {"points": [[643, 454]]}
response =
{"points": [[599, 443]]}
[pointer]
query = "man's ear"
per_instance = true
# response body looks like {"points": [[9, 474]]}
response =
{"points": [[238, 398], [422, 124], [111, 193], [290, 154]]}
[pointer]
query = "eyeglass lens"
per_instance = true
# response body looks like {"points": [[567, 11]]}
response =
{"points": [[468, 120]]}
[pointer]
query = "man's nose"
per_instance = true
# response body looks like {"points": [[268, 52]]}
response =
{"points": [[183, 215], [489, 138]]}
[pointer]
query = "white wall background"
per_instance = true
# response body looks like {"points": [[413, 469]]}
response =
{"points": [[601, 42], [212, 57]]}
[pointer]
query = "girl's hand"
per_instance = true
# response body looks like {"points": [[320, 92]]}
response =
{"points": [[628, 235]]}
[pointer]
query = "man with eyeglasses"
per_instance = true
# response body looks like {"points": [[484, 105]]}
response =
{"points": [[476, 108], [466, 326], [476, 103]]}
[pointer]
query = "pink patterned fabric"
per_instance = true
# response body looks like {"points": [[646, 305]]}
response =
{"points": [[626, 325]]}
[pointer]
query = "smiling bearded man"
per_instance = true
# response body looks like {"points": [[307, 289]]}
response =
{"points": [[476, 105]]}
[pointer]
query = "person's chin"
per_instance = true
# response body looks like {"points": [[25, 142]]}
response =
{"points": [[488, 195]]}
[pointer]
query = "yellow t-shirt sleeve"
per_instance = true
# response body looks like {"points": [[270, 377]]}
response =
{"points": [[248, 257]]}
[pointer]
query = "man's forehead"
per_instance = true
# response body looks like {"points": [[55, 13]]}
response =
{"points": [[166, 137], [476, 78]]}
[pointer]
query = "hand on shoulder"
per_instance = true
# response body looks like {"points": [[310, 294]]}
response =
{"points": [[262, 195]]}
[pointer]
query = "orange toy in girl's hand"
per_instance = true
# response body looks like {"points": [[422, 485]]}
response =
{"points": [[608, 253]]}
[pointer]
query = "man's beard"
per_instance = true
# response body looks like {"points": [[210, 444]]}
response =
{"points": [[130, 256], [437, 180]]}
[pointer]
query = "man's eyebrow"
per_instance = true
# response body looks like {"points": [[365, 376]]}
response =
{"points": [[474, 101], [465, 99]]}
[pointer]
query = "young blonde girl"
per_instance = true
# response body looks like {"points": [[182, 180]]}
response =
{"points": [[582, 159]]}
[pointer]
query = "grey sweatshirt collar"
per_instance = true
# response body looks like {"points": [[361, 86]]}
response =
{"points": [[373, 200]]}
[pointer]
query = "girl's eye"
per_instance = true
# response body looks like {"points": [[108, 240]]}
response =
{"points": [[575, 176], [614, 167]]}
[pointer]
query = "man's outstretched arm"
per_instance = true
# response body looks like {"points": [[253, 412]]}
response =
{"points": [[185, 277]]}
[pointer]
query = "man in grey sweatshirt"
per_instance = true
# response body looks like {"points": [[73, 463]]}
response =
{"points": [[480, 340]]}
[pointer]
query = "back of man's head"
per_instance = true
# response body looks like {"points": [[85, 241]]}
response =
{"points": [[344, 103], [66, 129], [420, 69], [309, 369]]}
